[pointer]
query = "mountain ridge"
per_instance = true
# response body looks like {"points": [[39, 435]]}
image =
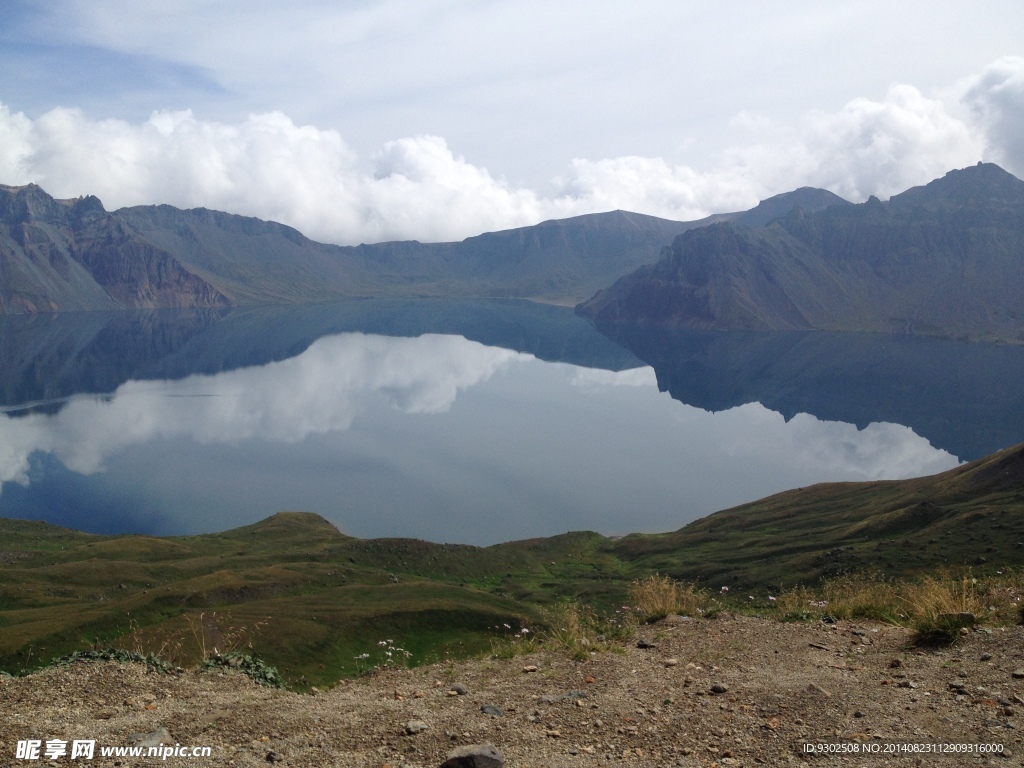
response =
{"points": [[70, 255], [942, 259]]}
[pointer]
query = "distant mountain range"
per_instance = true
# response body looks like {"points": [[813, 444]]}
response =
{"points": [[68, 255], [945, 259]]}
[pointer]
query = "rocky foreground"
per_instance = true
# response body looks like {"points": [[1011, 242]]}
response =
{"points": [[732, 691]]}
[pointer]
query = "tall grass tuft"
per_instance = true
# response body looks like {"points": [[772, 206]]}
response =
{"points": [[863, 596], [579, 630], [940, 608], [655, 597]]}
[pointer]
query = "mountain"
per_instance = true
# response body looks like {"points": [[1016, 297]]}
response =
{"points": [[72, 255], [945, 259], [66, 255]]}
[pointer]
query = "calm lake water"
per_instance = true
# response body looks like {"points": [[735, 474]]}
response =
{"points": [[471, 421]]}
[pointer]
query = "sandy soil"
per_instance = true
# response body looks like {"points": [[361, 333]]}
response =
{"points": [[732, 691]]}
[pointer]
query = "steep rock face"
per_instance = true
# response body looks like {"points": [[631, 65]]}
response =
{"points": [[72, 255], [943, 259]]}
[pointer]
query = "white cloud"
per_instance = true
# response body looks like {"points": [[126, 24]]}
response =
{"points": [[418, 188], [866, 148], [996, 98]]}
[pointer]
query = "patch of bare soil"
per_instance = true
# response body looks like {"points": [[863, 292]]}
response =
{"points": [[732, 691]]}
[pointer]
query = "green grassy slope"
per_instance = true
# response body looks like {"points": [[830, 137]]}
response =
{"points": [[319, 599], [971, 515]]}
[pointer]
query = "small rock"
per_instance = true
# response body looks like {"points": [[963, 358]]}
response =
{"points": [[153, 739], [415, 726], [530, 668], [274, 757], [858, 713], [1017, 674], [418, 694], [553, 734], [817, 690], [562, 697], [895, 664], [986, 657], [460, 689], [645, 644], [475, 756], [671, 662], [719, 688], [493, 710]]}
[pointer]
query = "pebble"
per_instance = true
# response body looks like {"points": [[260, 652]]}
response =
{"points": [[475, 756], [719, 688], [671, 662], [1017, 674], [493, 710], [415, 726], [152, 739]]}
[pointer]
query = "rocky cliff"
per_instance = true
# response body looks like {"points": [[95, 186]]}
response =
{"points": [[944, 259], [73, 255]]}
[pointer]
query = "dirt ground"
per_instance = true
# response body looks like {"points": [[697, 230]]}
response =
{"points": [[729, 691]]}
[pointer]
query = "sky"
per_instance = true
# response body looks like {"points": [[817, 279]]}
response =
{"points": [[375, 120]]}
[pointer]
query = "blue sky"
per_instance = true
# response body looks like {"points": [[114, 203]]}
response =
{"points": [[442, 118]]}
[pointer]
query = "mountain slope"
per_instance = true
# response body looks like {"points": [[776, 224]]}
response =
{"points": [[973, 514], [944, 259], [73, 255]]}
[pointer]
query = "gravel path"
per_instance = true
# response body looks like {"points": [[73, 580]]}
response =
{"points": [[732, 691]]}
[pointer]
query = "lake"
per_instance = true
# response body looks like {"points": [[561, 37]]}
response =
{"points": [[465, 421]]}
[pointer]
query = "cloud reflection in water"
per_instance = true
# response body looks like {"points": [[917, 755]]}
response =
{"points": [[529, 449]]}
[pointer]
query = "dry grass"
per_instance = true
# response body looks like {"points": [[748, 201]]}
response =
{"points": [[201, 637], [655, 597], [937, 607]]}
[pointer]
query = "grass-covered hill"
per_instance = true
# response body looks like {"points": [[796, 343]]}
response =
{"points": [[312, 600]]}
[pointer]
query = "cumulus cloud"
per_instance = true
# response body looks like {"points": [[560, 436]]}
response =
{"points": [[867, 147], [996, 98], [419, 188], [319, 391]]}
